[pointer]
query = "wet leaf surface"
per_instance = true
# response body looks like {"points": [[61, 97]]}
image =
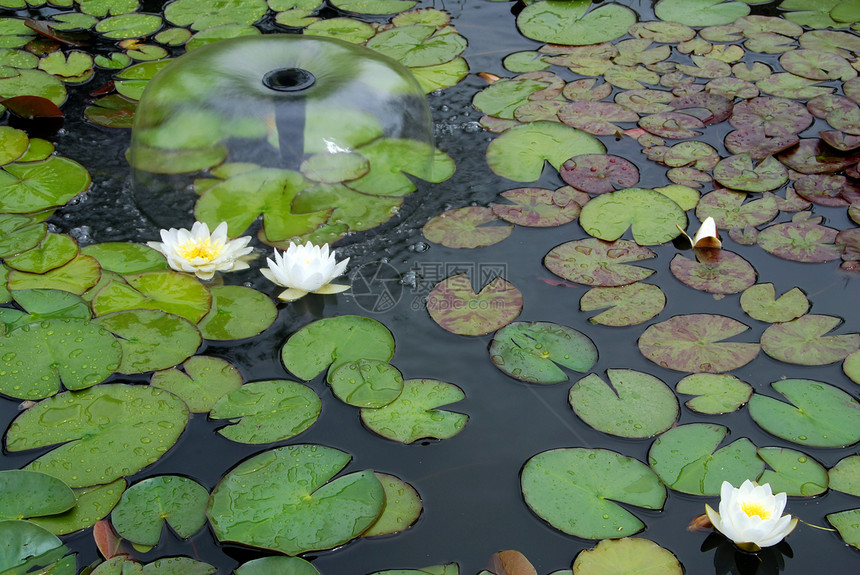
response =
{"points": [[700, 12], [402, 507], [760, 302], [792, 472], [800, 242], [572, 23], [465, 228], [731, 209], [539, 207], [739, 173], [533, 351], [845, 475], [845, 523], [715, 393], [32, 494], [802, 341], [599, 173], [628, 305], [714, 271], [366, 383], [598, 263], [202, 381], [94, 503], [455, 306], [237, 312]]}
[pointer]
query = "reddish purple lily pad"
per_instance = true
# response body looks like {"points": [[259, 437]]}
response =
{"points": [[846, 120], [822, 106], [455, 306], [598, 263], [718, 107], [690, 177], [585, 89], [800, 242], [778, 116], [599, 173], [802, 341], [757, 144], [596, 117], [694, 343], [787, 85], [732, 88], [672, 125], [541, 208], [812, 156], [729, 210], [854, 212], [694, 154], [852, 89], [849, 241], [817, 65], [706, 68], [464, 228], [538, 110], [645, 101], [715, 271], [665, 32], [628, 305], [738, 173], [827, 189], [791, 202], [840, 140]]}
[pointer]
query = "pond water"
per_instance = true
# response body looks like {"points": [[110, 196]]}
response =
{"points": [[469, 484]]}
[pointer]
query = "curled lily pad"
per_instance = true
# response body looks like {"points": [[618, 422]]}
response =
{"points": [[818, 415], [628, 305], [714, 271], [204, 381], [575, 490], [800, 242], [653, 217], [715, 393], [802, 341], [455, 306], [464, 228], [402, 507], [126, 428], [599, 173], [266, 411], [631, 555], [694, 343], [414, 414], [366, 383], [147, 505], [572, 23], [760, 302], [538, 207], [532, 351], [31, 494], [738, 173], [792, 472], [293, 490], [634, 404], [25, 547], [598, 263], [334, 342]]}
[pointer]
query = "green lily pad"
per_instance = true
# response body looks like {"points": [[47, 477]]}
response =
{"points": [[53, 251], [121, 564], [687, 459], [628, 555], [539, 207], [38, 358], [464, 228], [532, 351], [32, 494], [289, 489], [335, 168], [126, 428], [35, 186], [33, 83], [126, 258], [334, 342], [19, 234], [76, 276], [374, 6], [366, 383], [800, 241], [449, 569], [817, 65], [355, 210], [714, 271], [700, 12], [792, 472], [519, 153], [392, 158], [819, 415], [571, 23], [851, 366], [42, 304], [575, 490], [147, 505], [634, 404], [132, 25], [455, 306], [674, 125], [204, 381], [787, 85], [413, 415], [402, 507], [277, 566], [653, 217], [694, 343], [28, 548], [346, 29], [202, 14], [237, 312], [845, 475], [13, 144], [112, 111], [94, 503], [847, 523], [738, 173], [597, 263], [168, 291], [266, 411], [151, 339], [729, 210], [628, 305], [715, 393], [802, 341], [68, 67], [418, 45]]}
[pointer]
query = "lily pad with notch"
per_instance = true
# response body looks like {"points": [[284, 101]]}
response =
{"points": [[715, 393], [34, 186], [455, 307], [419, 45], [779, 117], [845, 475], [366, 383], [76, 276], [596, 117], [203, 382], [757, 144], [237, 312], [177, 293], [817, 65], [628, 305], [599, 173], [53, 251], [654, 218], [33, 494], [672, 125], [572, 23], [465, 228], [802, 341], [539, 207], [800, 242], [812, 156], [700, 12], [760, 302], [846, 523], [533, 351], [714, 271], [631, 554], [391, 159], [112, 111], [739, 173], [94, 503], [732, 209], [788, 85], [596, 262], [792, 472]]}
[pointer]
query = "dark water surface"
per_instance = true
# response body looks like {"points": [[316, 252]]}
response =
{"points": [[469, 484]]}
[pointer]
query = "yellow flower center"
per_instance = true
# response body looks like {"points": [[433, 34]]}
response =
{"points": [[755, 509], [199, 249]]}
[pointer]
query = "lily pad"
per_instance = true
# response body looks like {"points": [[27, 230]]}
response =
{"points": [[851, 366], [845, 475], [846, 523], [760, 302], [418, 45], [374, 6], [818, 415], [33, 494], [366, 383], [827, 189], [715, 393], [598, 263], [792, 472], [694, 154], [687, 459], [204, 381], [800, 242], [757, 144], [575, 490], [336, 341], [53, 251], [599, 173], [202, 14], [653, 217], [738, 173], [779, 117], [732, 210], [787, 85], [402, 507], [277, 565], [532, 351], [126, 258], [572, 23], [812, 156], [694, 343], [817, 65], [519, 153], [126, 428], [391, 159], [596, 117], [455, 306], [168, 291], [77, 276], [35, 186], [628, 305], [634, 404], [291, 490], [802, 341], [700, 12], [413, 415], [502, 98], [628, 555], [539, 207], [714, 271], [147, 505], [672, 125], [25, 547], [112, 111], [464, 228], [42, 304], [229, 317], [132, 25], [94, 503]]}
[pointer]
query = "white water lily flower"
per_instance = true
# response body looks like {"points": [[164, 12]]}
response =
{"points": [[706, 237], [303, 269], [751, 515], [201, 253]]}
